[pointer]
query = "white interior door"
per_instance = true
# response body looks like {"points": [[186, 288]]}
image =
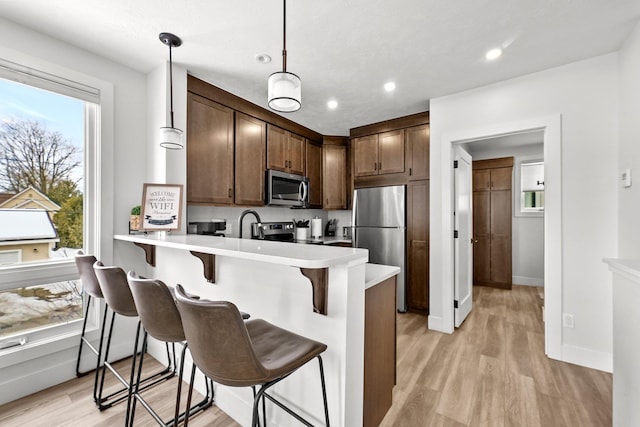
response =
{"points": [[463, 224]]}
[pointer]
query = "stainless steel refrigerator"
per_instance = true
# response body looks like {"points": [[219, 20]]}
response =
{"points": [[379, 226]]}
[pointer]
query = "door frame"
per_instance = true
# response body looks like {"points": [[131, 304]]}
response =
{"points": [[552, 127]]}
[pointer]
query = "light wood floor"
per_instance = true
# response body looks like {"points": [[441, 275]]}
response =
{"points": [[491, 372]]}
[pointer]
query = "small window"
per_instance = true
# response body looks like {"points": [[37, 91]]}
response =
{"points": [[10, 257], [532, 187]]}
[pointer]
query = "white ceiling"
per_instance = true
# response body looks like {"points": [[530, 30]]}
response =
{"points": [[342, 49]]}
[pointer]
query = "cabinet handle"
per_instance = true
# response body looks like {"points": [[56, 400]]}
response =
{"points": [[375, 166], [229, 192], [410, 171], [380, 166]]}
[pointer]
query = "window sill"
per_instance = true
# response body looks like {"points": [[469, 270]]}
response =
{"points": [[45, 346]]}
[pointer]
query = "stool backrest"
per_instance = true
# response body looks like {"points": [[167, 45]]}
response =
{"points": [[219, 342], [87, 276], [113, 282], [156, 308]]}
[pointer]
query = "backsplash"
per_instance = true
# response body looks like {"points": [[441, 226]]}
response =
{"points": [[267, 214]]}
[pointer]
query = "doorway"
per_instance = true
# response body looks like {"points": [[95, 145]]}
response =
{"points": [[550, 126], [523, 226]]}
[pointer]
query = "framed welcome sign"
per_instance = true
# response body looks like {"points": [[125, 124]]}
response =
{"points": [[161, 207]]}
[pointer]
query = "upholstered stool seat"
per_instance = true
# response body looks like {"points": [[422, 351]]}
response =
{"points": [[252, 353], [160, 319], [91, 288], [115, 288]]}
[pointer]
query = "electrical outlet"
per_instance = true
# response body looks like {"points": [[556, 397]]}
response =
{"points": [[567, 320], [625, 178], [229, 229]]}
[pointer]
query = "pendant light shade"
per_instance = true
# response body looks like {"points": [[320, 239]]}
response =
{"points": [[285, 89], [285, 92], [170, 136]]}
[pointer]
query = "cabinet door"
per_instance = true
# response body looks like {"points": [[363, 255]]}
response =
{"points": [[295, 153], [334, 175], [391, 152], [481, 179], [251, 139], [481, 236], [365, 155], [501, 236], [501, 179], [276, 148], [418, 152], [314, 173], [209, 152], [418, 245]]}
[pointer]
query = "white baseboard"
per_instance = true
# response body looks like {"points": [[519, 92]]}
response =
{"points": [[435, 323], [527, 281], [586, 357]]}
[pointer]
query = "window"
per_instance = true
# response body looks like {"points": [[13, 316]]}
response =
{"points": [[10, 257], [48, 124], [531, 185]]}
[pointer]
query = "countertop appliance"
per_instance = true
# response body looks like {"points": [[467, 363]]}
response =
{"points": [[286, 189], [379, 226], [275, 231], [215, 227], [330, 228]]}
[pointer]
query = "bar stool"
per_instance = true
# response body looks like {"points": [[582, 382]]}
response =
{"points": [[160, 319], [240, 354], [90, 285], [114, 286]]}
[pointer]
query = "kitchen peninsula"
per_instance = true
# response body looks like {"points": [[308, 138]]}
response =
{"points": [[271, 280]]}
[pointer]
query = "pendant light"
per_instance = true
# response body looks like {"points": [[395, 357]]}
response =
{"points": [[171, 137], [285, 89]]}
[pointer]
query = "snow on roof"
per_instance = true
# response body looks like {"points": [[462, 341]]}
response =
{"points": [[25, 224]]}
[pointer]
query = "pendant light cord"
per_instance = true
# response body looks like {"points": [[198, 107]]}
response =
{"points": [[171, 83], [284, 37]]}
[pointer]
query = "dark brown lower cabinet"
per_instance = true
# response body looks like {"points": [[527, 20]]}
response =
{"points": [[417, 274], [379, 351]]}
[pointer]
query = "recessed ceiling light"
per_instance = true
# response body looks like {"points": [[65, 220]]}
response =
{"points": [[493, 54], [390, 86], [263, 58], [332, 104]]}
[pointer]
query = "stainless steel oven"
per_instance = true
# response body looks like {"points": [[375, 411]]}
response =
{"points": [[286, 189]]}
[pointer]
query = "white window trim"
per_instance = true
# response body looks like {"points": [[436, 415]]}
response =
{"points": [[517, 194], [98, 187]]}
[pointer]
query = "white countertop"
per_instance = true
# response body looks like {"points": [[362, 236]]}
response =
{"points": [[377, 273], [631, 267], [292, 254]]}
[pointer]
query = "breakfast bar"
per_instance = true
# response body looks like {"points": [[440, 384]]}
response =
{"points": [[316, 291]]}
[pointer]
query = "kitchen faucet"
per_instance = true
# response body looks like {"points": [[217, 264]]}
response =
{"points": [[242, 215]]}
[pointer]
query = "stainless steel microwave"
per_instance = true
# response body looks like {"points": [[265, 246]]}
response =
{"points": [[286, 189]]}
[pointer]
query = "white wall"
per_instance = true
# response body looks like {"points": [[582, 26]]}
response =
{"points": [[629, 155], [527, 248], [585, 95], [123, 131]]}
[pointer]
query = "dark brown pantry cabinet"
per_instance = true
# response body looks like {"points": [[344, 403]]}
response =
{"points": [[492, 222], [210, 175], [250, 145], [417, 276], [285, 151]]}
